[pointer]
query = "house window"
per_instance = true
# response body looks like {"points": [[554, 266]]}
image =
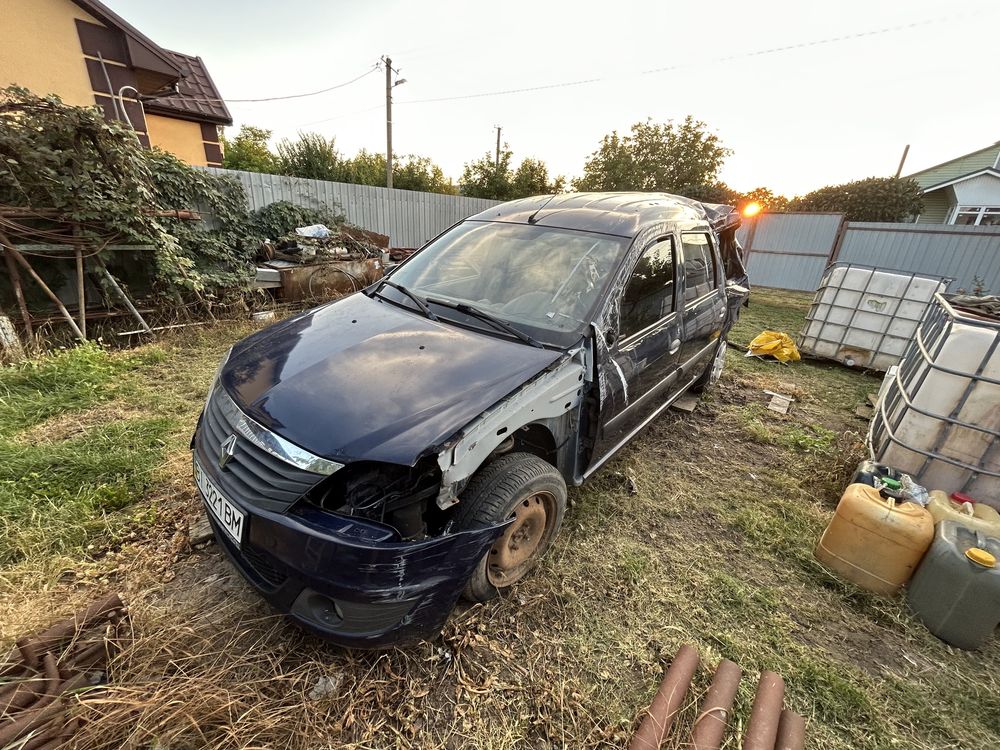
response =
{"points": [[978, 215]]}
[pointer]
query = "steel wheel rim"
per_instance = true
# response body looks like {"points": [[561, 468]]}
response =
{"points": [[523, 542]]}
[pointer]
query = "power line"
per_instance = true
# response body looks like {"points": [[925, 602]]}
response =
{"points": [[342, 116], [694, 64], [804, 45], [503, 92], [368, 72]]}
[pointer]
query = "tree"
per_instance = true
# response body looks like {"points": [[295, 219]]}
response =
{"points": [[672, 157], [872, 199], [532, 178], [418, 173], [312, 156], [366, 168], [484, 178], [768, 200], [249, 151], [715, 192]]}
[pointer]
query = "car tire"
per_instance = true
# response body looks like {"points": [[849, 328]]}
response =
{"points": [[706, 378], [520, 486]]}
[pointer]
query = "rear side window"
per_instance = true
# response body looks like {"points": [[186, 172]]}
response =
{"points": [[649, 294], [699, 265]]}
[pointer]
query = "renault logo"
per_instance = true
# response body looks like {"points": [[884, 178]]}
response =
{"points": [[227, 450]]}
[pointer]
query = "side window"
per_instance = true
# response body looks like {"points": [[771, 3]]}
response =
{"points": [[699, 265], [649, 294]]}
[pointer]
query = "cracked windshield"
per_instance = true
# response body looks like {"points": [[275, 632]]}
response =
{"points": [[529, 275]]}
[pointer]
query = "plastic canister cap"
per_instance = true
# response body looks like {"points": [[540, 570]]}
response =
{"points": [[981, 557]]}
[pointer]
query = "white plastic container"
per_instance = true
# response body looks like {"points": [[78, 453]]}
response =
{"points": [[939, 419], [866, 317]]}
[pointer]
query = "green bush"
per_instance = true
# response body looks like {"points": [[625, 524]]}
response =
{"points": [[280, 218], [873, 199]]}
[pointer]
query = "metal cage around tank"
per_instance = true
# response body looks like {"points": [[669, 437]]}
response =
{"points": [[917, 402], [839, 327]]}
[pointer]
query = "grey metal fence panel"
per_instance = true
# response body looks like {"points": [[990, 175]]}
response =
{"points": [[409, 218], [800, 272], [790, 251], [799, 233], [959, 252]]}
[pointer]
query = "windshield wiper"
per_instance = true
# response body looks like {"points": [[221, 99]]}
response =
{"points": [[475, 312], [420, 303]]}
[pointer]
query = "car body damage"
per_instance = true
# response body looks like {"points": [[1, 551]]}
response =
{"points": [[550, 401], [354, 458]]}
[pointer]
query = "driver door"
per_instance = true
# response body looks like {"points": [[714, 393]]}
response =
{"points": [[642, 369]]}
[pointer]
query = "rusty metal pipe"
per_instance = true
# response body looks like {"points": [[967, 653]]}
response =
{"points": [[57, 744], [791, 731], [713, 716], [667, 701], [44, 735], [29, 653], [41, 713], [85, 657], [62, 631], [762, 729], [23, 695]]}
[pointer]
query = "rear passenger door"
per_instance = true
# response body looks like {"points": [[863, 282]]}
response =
{"points": [[642, 370], [704, 301]]}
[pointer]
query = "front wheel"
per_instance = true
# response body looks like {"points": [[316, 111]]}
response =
{"points": [[519, 487]]}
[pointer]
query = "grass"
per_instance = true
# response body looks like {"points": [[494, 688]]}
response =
{"points": [[713, 547]]}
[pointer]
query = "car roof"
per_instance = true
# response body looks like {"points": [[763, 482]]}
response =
{"points": [[619, 214]]}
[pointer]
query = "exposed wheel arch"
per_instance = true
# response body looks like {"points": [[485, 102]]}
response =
{"points": [[538, 440]]}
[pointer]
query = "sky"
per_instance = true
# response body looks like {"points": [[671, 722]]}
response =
{"points": [[821, 113]]}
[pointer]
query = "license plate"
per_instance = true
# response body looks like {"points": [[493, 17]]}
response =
{"points": [[231, 518]]}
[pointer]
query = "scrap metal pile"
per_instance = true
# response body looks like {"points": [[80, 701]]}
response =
{"points": [[316, 262], [42, 674]]}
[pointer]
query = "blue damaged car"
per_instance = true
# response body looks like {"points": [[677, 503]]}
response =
{"points": [[369, 461]]}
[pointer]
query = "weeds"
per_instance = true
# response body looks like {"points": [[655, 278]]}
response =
{"points": [[57, 497], [70, 460], [810, 439]]}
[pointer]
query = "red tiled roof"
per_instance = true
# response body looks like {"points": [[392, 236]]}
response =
{"points": [[197, 97]]}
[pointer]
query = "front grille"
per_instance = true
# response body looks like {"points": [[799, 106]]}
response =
{"points": [[262, 565], [252, 474]]}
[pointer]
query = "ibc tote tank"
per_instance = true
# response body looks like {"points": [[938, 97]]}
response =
{"points": [[866, 317], [939, 419]]}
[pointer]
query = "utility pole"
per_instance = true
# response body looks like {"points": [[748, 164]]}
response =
{"points": [[388, 121], [389, 86], [498, 146], [899, 169]]}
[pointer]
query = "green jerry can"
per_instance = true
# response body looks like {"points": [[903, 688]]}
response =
{"points": [[956, 590]]}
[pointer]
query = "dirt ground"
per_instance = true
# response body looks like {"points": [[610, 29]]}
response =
{"points": [[699, 532]]}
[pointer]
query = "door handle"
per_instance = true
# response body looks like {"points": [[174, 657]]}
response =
{"points": [[675, 346]]}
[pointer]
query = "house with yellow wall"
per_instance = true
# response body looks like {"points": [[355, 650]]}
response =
{"points": [[85, 53]]}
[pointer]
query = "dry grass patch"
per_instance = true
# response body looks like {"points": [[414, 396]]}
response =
{"points": [[75, 424]]}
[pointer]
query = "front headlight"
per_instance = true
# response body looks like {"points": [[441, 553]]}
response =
{"points": [[215, 378]]}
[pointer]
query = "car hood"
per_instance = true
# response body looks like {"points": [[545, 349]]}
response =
{"points": [[363, 379]]}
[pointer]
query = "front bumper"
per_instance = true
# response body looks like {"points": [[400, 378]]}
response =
{"points": [[350, 581]]}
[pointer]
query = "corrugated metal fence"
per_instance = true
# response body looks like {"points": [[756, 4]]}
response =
{"points": [[790, 251], [410, 218], [786, 251], [963, 253]]}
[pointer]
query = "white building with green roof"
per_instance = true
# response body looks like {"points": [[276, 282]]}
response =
{"points": [[965, 190]]}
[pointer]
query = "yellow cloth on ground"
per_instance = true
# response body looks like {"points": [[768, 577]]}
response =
{"points": [[775, 344]]}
